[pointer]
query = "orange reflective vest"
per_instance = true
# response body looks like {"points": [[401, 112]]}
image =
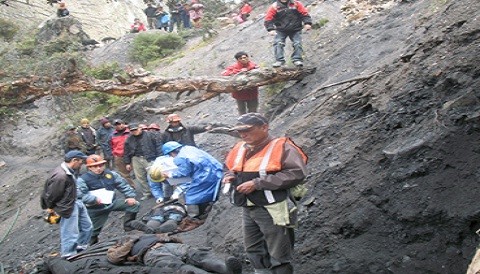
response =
{"points": [[266, 161]]}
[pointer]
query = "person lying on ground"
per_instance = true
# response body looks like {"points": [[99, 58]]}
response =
{"points": [[169, 217], [159, 252]]}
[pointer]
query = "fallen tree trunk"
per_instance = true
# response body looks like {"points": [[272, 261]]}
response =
{"points": [[29, 89]]}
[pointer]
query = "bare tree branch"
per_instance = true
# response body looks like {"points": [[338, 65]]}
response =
{"points": [[28, 89]]}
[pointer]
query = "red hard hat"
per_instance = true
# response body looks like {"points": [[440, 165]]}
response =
{"points": [[173, 118], [154, 126], [95, 160]]}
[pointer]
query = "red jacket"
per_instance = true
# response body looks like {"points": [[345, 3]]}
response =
{"points": [[138, 28], [287, 17], [244, 94], [246, 9], [117, 142]]}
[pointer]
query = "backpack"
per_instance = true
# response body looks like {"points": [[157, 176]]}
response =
{"points": [[119, 253]]}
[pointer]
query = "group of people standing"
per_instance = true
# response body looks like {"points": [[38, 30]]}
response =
{"points": [[181, 15], [125, 148], [258, 175]]}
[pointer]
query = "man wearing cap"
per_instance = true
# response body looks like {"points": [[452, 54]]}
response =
{"points": [[141, 148], [72, 140], [97, 190], [60, 196], [247, 99], [176, 131], [261, 171], [103, 137], [117, 145]]}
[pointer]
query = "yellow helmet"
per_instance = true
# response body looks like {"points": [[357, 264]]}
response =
{"points": [[156, 175]]}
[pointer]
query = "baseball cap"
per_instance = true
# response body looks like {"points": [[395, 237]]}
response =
{"points": [[118, 122], [74, 154], [249, 120], [133, 126]]}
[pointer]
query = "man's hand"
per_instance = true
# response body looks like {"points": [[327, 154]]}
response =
{"points": [[128, 167], [272, 32], [247, 187], [307, 27], [98, 201], [50, 210], [228, 179], [130, 201]]}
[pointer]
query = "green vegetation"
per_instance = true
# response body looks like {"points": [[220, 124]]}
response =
{"points": [[62, 44], [321, 23], [7, 30], [7, 112], [149, 47], [274, 89], [104, 71], [26, 46]]}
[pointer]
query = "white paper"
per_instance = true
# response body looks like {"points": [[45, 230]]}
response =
{"points": [[105, 196]]}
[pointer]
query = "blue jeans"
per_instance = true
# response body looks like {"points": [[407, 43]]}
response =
{"points": [[76, 230], [186, 21], [279, 45]]}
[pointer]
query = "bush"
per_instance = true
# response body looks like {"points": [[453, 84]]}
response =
{"points": [[149, 47], [27, 46], [62, 44], [318, 25], [104, 71], [7, 30]]}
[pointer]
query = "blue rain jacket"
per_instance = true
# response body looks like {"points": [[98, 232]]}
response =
{"points": [[206, 173]]}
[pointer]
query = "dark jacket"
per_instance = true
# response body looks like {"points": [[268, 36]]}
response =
{"points": [[182, 134], [60, 191], [291, 171], [89, 137], [287, 17], [103, 138], [110, 180], [150, 12], [73, 141], [147, 145]]}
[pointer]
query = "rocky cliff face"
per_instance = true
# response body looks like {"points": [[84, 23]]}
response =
{"points": [[99, 19], [390, 121]]}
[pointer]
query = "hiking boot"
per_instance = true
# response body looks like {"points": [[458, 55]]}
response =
{"points": [[298, 63], [138, 225], [278, 64], [168, 226], [234, 266], [127, 219]]}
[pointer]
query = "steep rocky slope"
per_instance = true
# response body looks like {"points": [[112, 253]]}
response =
{"points": [[99, 18], [390, 121]]}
